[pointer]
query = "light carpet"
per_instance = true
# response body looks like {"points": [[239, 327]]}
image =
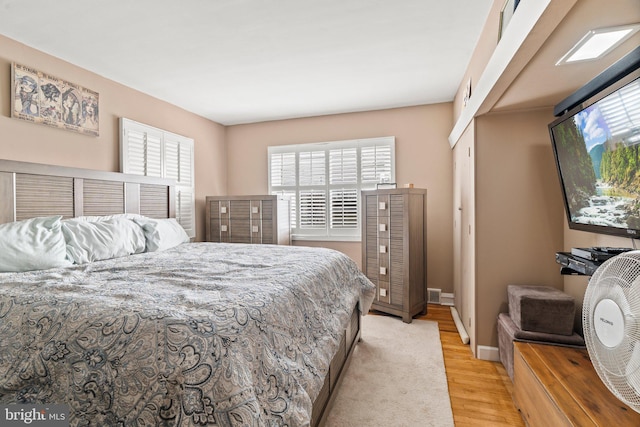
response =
{"points": [[396, 377]]}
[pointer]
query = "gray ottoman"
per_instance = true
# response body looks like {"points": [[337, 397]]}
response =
{"points": [[541, 309]]}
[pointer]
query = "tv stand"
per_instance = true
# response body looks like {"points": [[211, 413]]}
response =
{"points": [[586, 260], [575, 265]]}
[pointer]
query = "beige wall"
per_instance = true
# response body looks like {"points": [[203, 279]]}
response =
{"points": [[30, 142], [519, 213], [482, 53], [423, 157]]}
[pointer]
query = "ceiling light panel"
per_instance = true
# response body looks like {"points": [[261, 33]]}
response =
{"points": [[597, 43]]}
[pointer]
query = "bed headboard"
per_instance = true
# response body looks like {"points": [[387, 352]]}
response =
{"points": [[29, 190]]}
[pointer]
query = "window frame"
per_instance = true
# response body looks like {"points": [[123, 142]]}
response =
{"points": [[327, 232]]}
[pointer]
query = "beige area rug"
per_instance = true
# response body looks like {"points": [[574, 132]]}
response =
{"points": [[396, 378]]}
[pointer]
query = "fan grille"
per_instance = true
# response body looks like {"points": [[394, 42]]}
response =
{"points": [[618, 280]]}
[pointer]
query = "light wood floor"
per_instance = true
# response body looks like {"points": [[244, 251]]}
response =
{"points": [[481, 391]]}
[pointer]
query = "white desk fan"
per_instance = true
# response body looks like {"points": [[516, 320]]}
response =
{"points": [[611, 323]]}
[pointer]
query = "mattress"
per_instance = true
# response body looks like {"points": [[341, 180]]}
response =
{"points": [[200, 334]]}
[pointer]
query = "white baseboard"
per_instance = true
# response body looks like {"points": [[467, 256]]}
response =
{"points": [[488, 353]]}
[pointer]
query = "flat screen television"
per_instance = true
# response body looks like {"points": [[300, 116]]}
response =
{"points": [[597, 150]]}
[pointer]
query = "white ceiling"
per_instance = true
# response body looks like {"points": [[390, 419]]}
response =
{"points": [[243, 61]]}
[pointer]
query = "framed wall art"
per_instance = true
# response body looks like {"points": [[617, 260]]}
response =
{"points": [[40, 98]]}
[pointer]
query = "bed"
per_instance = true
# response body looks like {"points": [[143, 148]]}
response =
{"points": [[189, 334]]}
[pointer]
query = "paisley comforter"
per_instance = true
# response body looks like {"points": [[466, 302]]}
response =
{"points": [[201, 334]]}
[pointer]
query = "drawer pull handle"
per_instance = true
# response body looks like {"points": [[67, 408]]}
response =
{"points": [[223, 228], [383, 227], [383, 271], [382, 206], [255, 229], [223, 209], [383, 249]]}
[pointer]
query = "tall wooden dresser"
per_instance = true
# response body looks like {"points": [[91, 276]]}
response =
{"points": [[261, 219], [394, 255]]}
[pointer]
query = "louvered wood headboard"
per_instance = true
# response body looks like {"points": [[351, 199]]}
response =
{"points": [[29, 190]]}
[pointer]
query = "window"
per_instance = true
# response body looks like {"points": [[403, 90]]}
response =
{"points": [[324, 180], [145, 150]]}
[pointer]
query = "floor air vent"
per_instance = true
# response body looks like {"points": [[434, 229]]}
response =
{"points": [[433, 296]]}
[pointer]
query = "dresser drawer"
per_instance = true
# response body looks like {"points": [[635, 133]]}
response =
{"points": [[240, 209], [239, 231]]}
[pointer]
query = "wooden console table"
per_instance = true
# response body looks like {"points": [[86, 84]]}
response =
{"points": [[558, 386]]}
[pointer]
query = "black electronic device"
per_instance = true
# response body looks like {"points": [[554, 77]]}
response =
{"points": [[598, 253], [572, 263], [595, 145], [611, 250]]}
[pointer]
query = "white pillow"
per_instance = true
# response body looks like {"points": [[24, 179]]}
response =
{"points": [[162, 234], [107, 217], [32, 244], [89, 241]]}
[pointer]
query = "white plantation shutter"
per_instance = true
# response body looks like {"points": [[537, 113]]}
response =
{"points": [[376, 164], [312, 168], [185, 209], [312, 172], [344, 209], [134, 152], [178, 165], [323, 182], [343, 166], [172, 160], [291, 196], [313, 209], [145, 150], [343, 181], [153, 155], [284, 179], [141, 150], [178, 155], [283, 170]]}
